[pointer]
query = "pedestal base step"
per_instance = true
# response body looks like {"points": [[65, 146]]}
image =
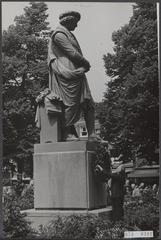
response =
{"points": [[43, 217]]}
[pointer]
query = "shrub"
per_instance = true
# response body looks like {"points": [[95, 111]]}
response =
{"points": [[102, 162], [83, 227], [116, 231], [71, 227], [26, 200], [14, 222], [18, 188], [143, 212]]}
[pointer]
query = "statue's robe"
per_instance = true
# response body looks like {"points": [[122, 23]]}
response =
{"points": [[64, 59]]}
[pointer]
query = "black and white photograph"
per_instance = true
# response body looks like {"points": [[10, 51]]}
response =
{"points": [[80, 123]]}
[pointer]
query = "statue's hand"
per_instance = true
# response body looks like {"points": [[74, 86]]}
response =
{"points": [[87, 68], [86, 65], [81, 70]]}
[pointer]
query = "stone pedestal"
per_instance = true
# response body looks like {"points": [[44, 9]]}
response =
{"points": [[64, 179], [64, 182]]}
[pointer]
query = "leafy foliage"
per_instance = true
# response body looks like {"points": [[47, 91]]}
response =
{"points": [[102, 162], [26, 200], [83, 227], [130, 117], [74, 227], [143, 212], [15, 224], [25, 73]]}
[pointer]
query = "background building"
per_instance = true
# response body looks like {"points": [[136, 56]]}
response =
{"points": [[82, 129]]}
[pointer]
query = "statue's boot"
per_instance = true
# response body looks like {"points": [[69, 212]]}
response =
{"points": [[71, 134], [89, 117]]}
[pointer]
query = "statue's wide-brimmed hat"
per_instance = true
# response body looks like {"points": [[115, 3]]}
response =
{"points": [[69, 16]]}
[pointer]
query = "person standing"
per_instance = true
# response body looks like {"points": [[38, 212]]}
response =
{"points": [[117, 192]]}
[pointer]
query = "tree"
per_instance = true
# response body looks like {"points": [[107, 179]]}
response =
{"points": [[131, 119], [25, 73]]}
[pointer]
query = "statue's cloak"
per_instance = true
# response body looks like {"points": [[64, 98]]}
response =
{"points": [[64, 60]]}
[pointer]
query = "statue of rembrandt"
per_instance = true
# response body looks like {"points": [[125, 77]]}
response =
{"points": [[67, 79]]}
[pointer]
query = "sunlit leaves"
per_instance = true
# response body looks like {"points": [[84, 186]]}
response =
{"points": [[131, 100]]}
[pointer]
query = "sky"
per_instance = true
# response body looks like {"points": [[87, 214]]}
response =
{"points": [[94, 33]]}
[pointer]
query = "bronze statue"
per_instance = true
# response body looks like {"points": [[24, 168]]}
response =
{"points": [[67, 80]]}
